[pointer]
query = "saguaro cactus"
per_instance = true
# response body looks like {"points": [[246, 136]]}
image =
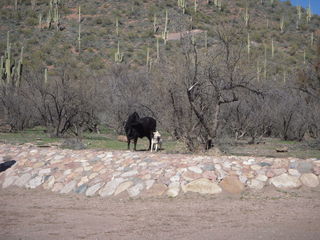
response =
{"points": [[272, 48], [219, 5], [165, 31], [195, 5], [206, 40], [265, 61], [158, 49], [11, 70], [117, 26], [282, 24], [33, 4], [118, 56], [46, 76], [79, 30], [19, 69], [148, 56], [40, 21], [182, 5], [155, 24], [258, 71], [248, 45], [246, 18], [299, 12], [53, 17], [309, 13]]}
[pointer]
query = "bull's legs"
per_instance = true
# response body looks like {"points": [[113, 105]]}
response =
{"points": [[149, 143], [135, 144], [128, 144]]}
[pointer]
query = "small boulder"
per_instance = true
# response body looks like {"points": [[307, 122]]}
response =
{"points": [[156, 189], [285, 181], [305, 167], [255, 184], [309, 180], [232, 184], [282, 149], [123, 187], [202, 186]]}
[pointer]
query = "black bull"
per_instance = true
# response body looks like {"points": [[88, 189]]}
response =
{"points": [[137, 127]]}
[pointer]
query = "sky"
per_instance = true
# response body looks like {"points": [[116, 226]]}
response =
{"points": [[315, 5]]}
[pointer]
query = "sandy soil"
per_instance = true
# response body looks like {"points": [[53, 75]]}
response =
{"points": [[37, 214]]}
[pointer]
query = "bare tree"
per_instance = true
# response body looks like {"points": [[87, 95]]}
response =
{"points": [[200, 85]]}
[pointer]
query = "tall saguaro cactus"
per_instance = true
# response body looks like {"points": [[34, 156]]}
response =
{"points": [[40, 21], [79, 30], [258, 71], [155, 24], [118, 56], [206, 40], [195, 6], [165, 31], [246, 17], [148, 56], [53, 16], [158, 49], [272, 48], [182, 4], [309, 13], [117, 26], [11, 70], [282, 24], [33, 4], [265, 61], [46, 76], [248, 45]]}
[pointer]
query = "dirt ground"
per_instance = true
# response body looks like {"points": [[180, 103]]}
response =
{"points": [[37, 214]]}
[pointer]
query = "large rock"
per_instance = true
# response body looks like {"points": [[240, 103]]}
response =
{"points": [[174, 189], [135, 190], [110, 187], [262, 178], [285, 181], [49, 183], [255, 184], [9, 180], [232, 184], [93, 189], [294, 172], [305, 167], [190, 176], [156, 189], [35, 182], [130, 173], [309, 180], [21, 181], [202, 186], [122, 187], [195, 169], [69, 187]]}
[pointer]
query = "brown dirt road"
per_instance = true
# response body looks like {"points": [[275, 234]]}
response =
{"points": [[37, 214]]}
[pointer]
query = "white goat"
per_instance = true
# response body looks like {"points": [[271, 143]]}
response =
{"points": [[156, 141]]}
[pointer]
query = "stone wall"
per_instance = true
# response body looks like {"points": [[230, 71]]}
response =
{"points": [[135, 174]]}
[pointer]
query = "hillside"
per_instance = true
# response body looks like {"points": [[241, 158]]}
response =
{"points": [[99, 37]]}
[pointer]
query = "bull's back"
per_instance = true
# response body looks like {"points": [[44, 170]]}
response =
{"points": [[149, 124]]}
